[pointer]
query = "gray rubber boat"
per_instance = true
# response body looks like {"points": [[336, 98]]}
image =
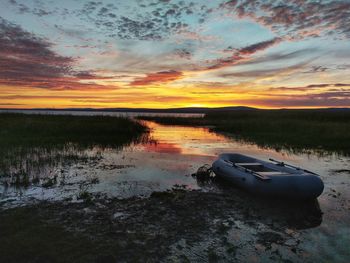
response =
{"points": [[269, 178]]}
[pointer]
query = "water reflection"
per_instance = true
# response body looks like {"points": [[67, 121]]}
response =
{"points": [[158, 161], [186, 140]]}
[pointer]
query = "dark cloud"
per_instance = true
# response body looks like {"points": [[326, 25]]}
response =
{"points": [[128, 28], [341, 85], [244, 53], [303, 101], [90, 7], [326, 99], [329, 99], [28, 60], [149, 21], [80, 33], [256, 73], [84, 75], [154, 20], [259, 46], [251, 49], [276, 57], [317, 69], [183, 53], [296, 18], [38, 10], [22, 51], [158, 77], [44, 97], [310, 87], [343, 67], [10, 104]]}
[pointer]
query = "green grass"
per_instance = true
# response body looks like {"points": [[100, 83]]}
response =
{"points": [[30, 142], [21, 130], [295, 130]]}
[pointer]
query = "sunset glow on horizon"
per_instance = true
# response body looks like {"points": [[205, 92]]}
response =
{"points": [[174, 53]]}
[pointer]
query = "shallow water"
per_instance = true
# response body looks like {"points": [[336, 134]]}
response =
{"points": [[169, 158]]}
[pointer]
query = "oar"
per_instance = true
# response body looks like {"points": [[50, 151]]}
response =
{"points": [[292, 166]]}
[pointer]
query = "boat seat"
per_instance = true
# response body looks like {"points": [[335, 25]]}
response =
{"points": [[271, 173], [244, 164], [261, 176]]}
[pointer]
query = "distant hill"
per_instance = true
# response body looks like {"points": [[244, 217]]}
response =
{"points": [[177, 110], [172, 110]]}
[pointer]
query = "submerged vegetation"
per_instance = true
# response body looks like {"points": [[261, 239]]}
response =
{"points": [[295, 130], [30, 143]]}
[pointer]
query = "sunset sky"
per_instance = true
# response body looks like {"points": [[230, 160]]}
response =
{"points": [[174, 53]]}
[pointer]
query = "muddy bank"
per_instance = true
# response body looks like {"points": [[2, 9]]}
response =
{"points": [[173, 226]]}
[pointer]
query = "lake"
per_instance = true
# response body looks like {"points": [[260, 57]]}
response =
{"points": [[167, 158]]}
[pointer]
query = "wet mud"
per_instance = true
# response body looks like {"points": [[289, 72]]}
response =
{"points": [[188, 226]]}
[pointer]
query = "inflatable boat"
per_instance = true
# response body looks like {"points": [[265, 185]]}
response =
{"points": [[272, 178]]}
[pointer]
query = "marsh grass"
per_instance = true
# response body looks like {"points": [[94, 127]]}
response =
{"points": [[321, 131], [28, 131], [35, 144]]}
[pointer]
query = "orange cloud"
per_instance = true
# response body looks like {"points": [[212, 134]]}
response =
{"points": [[158, 77]]}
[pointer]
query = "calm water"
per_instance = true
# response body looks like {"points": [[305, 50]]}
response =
{"points": [[169, 159]]}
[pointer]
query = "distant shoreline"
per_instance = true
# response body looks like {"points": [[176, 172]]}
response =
{"points": [[104, 113], [200, 110]]}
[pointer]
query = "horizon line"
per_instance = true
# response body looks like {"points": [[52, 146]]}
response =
{"points": [[176, 108]]}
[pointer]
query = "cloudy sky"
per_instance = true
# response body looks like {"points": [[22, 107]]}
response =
{"points": [[174, 53]]}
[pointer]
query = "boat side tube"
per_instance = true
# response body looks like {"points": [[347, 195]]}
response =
{"points": [[295, 184]]}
